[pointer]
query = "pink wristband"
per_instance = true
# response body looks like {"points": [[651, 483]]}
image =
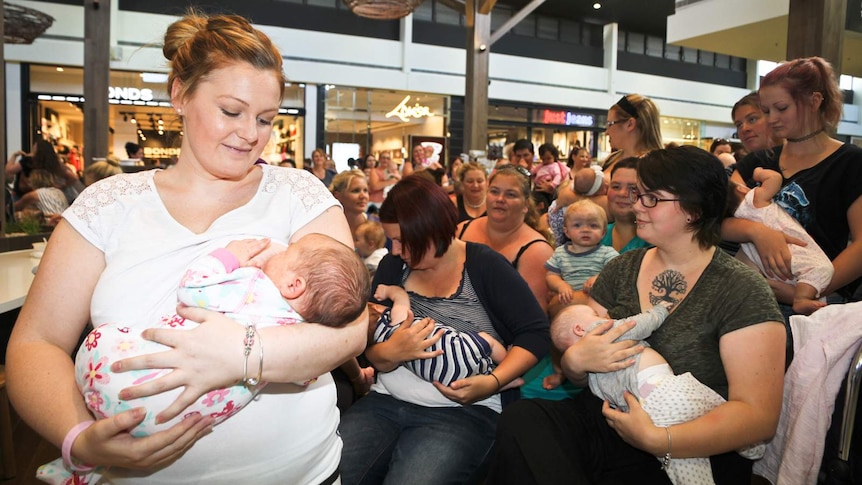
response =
{"points": [[69, 440]]}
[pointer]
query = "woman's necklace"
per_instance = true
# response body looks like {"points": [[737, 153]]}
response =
{"points": [[806, 137], [480, 204]]}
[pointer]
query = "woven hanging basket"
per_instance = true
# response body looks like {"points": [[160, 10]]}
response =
{"points": [[22, 25], [382, 9]]}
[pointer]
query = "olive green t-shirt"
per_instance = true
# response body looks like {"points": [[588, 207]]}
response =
{"points": [[728, 296]]}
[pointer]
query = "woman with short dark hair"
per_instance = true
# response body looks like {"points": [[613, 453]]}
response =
{"points": [[408, 430], [724, 327]]}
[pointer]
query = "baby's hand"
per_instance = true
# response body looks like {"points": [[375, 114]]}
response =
{"points": [[566, 294], [758, 174], [381, 292], [588, 284], [553, 381], [246, 249]]}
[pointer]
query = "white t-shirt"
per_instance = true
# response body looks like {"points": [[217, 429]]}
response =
{"points": [[288, 434]]}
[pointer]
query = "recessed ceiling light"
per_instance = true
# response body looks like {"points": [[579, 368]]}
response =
{"points": [[597, 5]]}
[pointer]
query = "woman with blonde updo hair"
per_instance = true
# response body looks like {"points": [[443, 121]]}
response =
{"points": [[118, 255], [351, 189], [100, 170]]}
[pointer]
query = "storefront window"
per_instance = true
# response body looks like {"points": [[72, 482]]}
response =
{"points": [[680, 131], [565, 128], [362, 121], [140, 112]]}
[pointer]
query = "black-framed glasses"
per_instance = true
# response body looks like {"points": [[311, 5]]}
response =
{"points": [[647, 200], [517, 168]]}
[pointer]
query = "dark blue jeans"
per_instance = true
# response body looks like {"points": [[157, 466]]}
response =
{"points": [[393, 442]]}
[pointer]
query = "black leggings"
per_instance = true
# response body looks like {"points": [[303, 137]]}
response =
{"points": [[569, 442]]}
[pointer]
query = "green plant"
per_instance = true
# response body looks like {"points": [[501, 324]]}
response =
{"points": [[27, 225]]}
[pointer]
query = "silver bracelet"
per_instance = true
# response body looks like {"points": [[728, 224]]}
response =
{"points": [[248, 344], [665, 462]]}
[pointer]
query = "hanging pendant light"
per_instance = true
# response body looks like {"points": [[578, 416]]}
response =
{"points": [[382, 9], [22, 25]]}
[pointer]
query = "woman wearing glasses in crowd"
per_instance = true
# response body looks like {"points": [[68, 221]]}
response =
{"points": [[802, 103], [728, 336], [633, 130]]}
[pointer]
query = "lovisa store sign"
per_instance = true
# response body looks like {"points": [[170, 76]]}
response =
{"points": [[129, 94], [406, 113]]}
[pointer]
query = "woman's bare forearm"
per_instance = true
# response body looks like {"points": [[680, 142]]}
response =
{"points": [[300, 352], [380, 358], [40, 372]]}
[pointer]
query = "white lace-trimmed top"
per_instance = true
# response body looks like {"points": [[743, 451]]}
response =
{"points": [[288, 435]]}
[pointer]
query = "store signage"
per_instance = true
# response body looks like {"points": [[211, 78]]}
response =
{"points": [[406, 113], [130, 94], [553, 117], [161, 152]]}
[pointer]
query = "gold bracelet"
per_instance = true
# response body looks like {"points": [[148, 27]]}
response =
{"points": [[665, 462]]}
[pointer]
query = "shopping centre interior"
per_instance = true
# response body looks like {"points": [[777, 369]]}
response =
{"points": [[358, 86], [550, 80]]}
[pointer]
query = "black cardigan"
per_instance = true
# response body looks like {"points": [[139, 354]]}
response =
{"points": [[509, 302]]}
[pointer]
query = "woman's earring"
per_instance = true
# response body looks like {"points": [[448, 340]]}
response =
{"points": [[688, 220]]}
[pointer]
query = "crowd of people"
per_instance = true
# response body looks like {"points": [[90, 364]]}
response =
{"points": [[462, 272]]}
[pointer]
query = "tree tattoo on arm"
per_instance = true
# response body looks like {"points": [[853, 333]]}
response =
{"points": [[668, 286]]}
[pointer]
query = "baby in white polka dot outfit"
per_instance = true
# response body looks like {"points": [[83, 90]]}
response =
{"points": [[667, 398]]}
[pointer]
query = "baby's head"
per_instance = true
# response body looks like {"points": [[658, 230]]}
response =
{"points": [[322, 279], [572, 323], [585, 223], [735, 196], [589, 182], [368, 238]]}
